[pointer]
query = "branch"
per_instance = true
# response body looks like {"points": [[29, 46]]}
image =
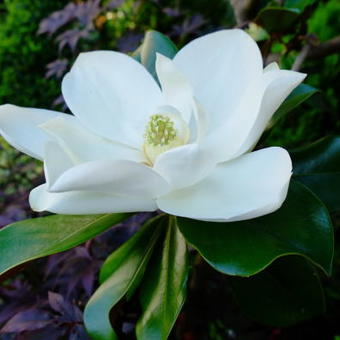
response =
{"points": [[325, 49], [243, 9]]}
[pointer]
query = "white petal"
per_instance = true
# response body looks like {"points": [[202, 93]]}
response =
{"points": [[56, 162], [278, 85], [112, 94], [19, 126], [82, 145], [185, 165], [271, 67], [220, 66], [176, 89], [247, 122], [252, 185], [117, 177], [82, 202]]}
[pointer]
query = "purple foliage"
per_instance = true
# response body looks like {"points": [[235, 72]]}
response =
{"points": [[46, 300], [189, 25], [58, 19], [129, 41], [71, 37], [113, 4], [57, 68]]}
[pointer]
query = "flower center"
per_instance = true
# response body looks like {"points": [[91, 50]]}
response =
{"points": [[164, 132]]}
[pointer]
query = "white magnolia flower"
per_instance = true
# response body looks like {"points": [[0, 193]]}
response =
{"points": [[184, 147]]}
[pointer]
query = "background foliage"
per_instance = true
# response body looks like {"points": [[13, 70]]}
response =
{"points": [[39, 40]]}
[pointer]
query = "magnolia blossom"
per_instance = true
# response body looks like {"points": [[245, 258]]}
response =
{"points": [[184, 146]]}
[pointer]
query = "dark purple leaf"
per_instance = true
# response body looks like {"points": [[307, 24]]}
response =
{"points": [[71, 37], [129, 41], [87, 11], [56, 68], [172, 12], [57, 19], [56, 302], [114, 4], [28, 320]]}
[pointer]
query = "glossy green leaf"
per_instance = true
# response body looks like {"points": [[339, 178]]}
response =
{"points": [[164, 290], [318, 167], [277, 19], [121, 271], [298, 96], [300, 4], [30, 239], [155, 42], [285, 293], [301, 226]]}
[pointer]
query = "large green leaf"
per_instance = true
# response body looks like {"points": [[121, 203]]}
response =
{"points": [[155, 42], [277, 19], [301, 226], [298, 96], [30, 239], [318, 167], [300, 4], [285, 293], [121, 271], [164, 290]]}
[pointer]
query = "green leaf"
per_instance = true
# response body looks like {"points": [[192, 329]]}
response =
{"points": [[318, 167], [301, 226], [121, 271], [277, 19], [155, 42], [298, 96], [164, 290], [287, 292], [30, 239], [300, 4]]}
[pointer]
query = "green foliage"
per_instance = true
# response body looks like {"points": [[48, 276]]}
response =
{"points": [[33, 238], [24, 55], [121, 272], [247, 247], [286, 293], [163, 291], [318, 167], [155, 42]]}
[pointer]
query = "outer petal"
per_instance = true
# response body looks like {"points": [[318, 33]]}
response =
{"points": [[245, 125], [56, 162], [19, 126], [220, 66], [82, 202], [252, 185], [185, 165], [176, 89], [278, 85], [82, 145], [112, 94], [117, 177]]}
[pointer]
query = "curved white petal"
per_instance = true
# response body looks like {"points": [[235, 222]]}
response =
{"points": [[271, 67], [82, 145], [220, 66], [125, 178], [241, 131], [176, 89], [56, 162], [278, 84], [185, 165], [112, 94], [19, 126], [83, 203], [252, 185]]}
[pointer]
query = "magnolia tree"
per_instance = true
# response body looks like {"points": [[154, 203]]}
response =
{"points": [[176, 133]]}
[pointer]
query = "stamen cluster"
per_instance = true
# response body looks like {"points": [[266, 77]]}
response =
{"points": [[160, 130]]}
